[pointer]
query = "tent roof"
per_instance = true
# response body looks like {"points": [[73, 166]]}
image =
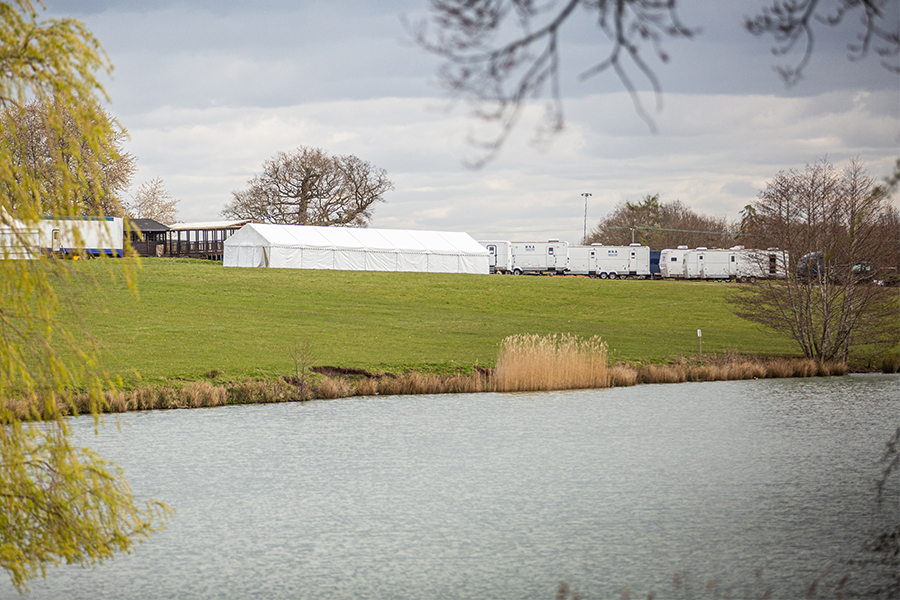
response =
{"points": [[292, 236]]}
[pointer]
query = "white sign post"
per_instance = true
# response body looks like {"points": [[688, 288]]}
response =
{"points": [[700, 337]]}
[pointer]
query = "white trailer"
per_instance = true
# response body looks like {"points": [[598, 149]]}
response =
{"points": [[536, 258], [709, 263], [671, 262], [610, 262], [500, 256], [760, 264], [736, 262], [82, 236]]}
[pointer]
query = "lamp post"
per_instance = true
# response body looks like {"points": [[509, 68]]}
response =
{"points": [[584, 238]]}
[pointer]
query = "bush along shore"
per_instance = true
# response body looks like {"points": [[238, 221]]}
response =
{"points": [[525, 363]]}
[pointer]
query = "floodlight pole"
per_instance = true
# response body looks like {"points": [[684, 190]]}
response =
{"points": [[584, 238]]}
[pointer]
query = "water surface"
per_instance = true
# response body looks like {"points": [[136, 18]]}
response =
{"points": [[755, 484]]}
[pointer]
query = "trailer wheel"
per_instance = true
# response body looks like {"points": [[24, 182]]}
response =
{"points": [[753, 280], [517, 271], [612, 275], [603, 275]]}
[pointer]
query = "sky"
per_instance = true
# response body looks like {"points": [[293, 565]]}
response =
{"points": [[209, 89]]}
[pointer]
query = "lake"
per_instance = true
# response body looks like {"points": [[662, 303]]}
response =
{"points": [[740, 486]]}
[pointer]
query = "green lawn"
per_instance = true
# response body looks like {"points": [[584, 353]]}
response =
{"points": [[196, 316]]}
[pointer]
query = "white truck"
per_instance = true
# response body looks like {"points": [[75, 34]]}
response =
{"points": [[610, 262], [499, 256], [537, 258], [82, 236]]}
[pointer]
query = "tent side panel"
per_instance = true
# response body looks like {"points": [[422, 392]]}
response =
{"points": [[350, 259], [474, 263], [381, 260], [282, 257], [412, 262], [317, 258], [443, 263]]}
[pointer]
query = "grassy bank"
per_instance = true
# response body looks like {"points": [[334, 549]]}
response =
{"points": [[194, 318], [526, 363]]}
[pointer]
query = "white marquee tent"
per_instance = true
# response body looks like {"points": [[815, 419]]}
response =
{"points": [[354, 249]]}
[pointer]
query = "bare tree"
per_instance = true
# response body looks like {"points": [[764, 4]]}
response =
{"points": [[152, 201], [660, 225], [792, 22], [828, 226], [308, 186], [500, 54], [39, 145]]}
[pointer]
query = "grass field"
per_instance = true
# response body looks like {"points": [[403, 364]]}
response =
{"points": [[193, 317]]}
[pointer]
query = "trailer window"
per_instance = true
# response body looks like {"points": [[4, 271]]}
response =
{"points": [[550, 250], [674, 259]]}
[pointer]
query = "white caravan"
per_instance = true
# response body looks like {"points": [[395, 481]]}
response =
{"points": [[610, 262], [535, 258], [671, 262], [706, 263], [500, 256], [734, 263], [88, 236], [760, 264]]}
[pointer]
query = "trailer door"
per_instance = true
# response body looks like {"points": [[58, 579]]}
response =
{"points": [[492, 252]]}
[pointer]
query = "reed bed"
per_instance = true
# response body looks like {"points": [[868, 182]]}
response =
{"points": [[731, 367], [525, 363], [552, 362]]}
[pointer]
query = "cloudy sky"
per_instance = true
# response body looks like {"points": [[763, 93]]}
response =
{"points": [[208, 89]]}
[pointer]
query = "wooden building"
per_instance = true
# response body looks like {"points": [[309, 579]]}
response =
{"points": [[200, 240], [148, 237]]}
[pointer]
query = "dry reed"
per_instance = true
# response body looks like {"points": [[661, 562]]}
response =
{"points": [[329, 389], [552, 362]]}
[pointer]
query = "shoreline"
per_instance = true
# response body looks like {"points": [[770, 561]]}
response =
{"points": [[330, 383]]}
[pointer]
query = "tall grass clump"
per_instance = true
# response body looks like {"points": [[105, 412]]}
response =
{"points": [[530, 362]]}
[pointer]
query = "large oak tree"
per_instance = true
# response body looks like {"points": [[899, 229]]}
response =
{"points": [[309, 186]]}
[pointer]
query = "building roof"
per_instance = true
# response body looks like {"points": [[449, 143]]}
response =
{"points": [[209, 225], [148, 225]]}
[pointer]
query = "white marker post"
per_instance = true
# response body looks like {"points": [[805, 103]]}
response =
{"points": [[700, 337]]}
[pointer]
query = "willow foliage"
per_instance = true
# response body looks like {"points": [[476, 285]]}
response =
{"points": [[58, 503]]}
